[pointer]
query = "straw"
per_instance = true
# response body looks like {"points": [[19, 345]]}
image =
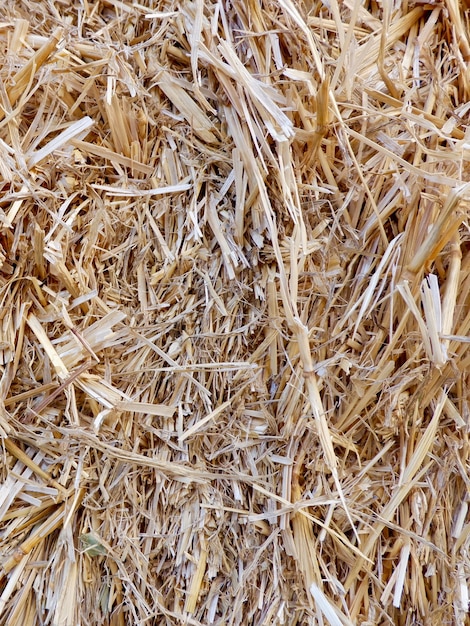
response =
{"points": [[234, 313]]}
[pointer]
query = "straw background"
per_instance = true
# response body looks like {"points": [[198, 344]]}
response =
{"points": [[235, 312]]}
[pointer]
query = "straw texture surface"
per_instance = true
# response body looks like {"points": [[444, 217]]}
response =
{"points": [[235, 312]]}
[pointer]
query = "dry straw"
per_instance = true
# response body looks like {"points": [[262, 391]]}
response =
{"points": [[235, 314]]}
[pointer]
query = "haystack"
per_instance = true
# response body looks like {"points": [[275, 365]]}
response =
{"points": [[235, 276]]}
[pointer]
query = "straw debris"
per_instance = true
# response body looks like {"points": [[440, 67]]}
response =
{"points": [[235, 278]]}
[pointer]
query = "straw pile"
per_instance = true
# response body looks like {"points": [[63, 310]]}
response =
{"points": [[235, 272]]}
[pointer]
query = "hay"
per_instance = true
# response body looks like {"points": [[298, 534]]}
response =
{"points": [[235, 277]]}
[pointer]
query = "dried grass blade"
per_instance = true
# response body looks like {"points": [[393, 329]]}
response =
{"points": [[114, 157], [183, 102], [327, 609], [77, 129], [14, 450], [120, 191], [23, 77], [443, 230], [47, 346]]}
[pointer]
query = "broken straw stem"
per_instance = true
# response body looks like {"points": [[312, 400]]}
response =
{"points": [[319, 414]]}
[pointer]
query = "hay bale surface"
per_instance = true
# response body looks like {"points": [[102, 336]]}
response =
{"points": [[234, 279]]}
